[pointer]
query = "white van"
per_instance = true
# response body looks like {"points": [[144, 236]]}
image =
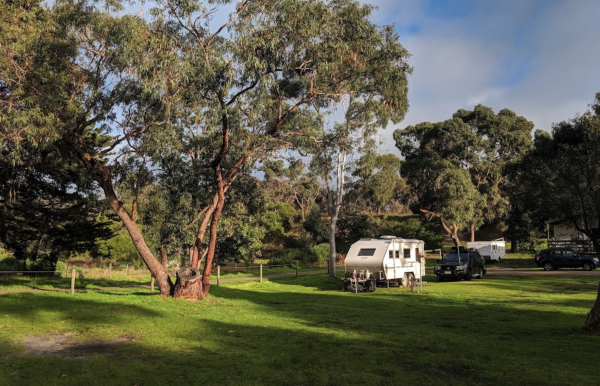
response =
{"points": [[489, 250]]}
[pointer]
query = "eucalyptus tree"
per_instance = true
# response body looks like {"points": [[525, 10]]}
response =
{"points": [[378, 180], [254, 90], [225, 97], [459, 167], [292, 184], [562, 175]]}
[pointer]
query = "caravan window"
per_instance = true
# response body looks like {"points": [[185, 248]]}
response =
{"points": [[366, 252], [416, 251], [407, 253], [391, 254], [397, 254]]}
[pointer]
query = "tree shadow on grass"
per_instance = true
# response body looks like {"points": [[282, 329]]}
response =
{"points": [[30, 308], [42, 283], [277, 335]]}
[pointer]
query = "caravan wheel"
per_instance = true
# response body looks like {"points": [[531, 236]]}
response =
{"points": [[405, 280]]}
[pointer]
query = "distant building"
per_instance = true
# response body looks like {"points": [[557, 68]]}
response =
{"points": [[564, 230], [565, 234]]}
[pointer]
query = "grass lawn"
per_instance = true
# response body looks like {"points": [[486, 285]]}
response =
{"points": [[503, 330]]}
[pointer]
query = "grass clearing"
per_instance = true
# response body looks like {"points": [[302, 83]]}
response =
{"points": [[303, 331]]}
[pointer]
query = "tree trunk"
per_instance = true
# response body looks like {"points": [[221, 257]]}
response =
{"points": [[103, 176], [163, 257], [514, 244], [592, 323], [202, 231], [332, 252], [472, 233], [188, 284], [213, 233], [454, 235]]}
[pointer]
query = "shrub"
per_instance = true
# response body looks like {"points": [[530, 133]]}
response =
{"points": [[289, 257], [321, 253], [8, 264]]}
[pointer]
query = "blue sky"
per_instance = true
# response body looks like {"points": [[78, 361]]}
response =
{"points": [[539, 58]]}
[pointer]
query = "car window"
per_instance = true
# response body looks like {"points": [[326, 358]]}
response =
{"points": [[453, 257], [568, 253], [555, 253]]}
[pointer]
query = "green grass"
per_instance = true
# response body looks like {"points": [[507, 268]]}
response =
{"points": [[502, 330]]}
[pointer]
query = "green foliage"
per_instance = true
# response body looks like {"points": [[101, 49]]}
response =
{"points": [[321, 252], [316, 227], [288, 257], [9, 264], [306, 257], [459, 168], [562, 174], [120, 247], [379, 184], [414, 228], [353, 227], [278, 219]]}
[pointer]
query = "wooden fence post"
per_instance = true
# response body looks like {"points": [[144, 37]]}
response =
{"points": [[218, 275], [109, 271], [296, 268], [73, 282], [127, 270], [261, 273], [152, 284]]}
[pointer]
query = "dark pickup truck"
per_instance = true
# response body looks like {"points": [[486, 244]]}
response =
{"points": [[465, 264]]}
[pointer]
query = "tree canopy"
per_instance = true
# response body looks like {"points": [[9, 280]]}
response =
{"points": [[459, 167]]}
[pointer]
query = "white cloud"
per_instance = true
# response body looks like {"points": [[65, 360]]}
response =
{"points": [[537, 58]]}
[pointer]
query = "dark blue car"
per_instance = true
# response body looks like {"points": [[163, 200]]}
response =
{"points": [[554, 258]]}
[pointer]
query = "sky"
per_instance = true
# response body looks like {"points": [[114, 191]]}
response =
{"points": [[539, 58]]}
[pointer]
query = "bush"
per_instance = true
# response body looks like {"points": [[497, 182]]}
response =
{"points": [[321, 252], [533, 245], [60, 267], [9, 264], [288, 257]]}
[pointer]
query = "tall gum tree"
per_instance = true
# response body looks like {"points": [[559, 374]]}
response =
{"points": [[562, 174], [459, 167], [241, 92], [256, 88]]}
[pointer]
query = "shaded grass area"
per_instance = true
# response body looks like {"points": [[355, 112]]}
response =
{"points": [[99, 278], [304, 331]]}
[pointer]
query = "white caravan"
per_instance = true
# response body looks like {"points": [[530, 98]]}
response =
{"points": [[489, 250], [386, 259]]}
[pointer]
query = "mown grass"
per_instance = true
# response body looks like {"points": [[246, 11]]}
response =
{"points": [[96, 277], [502, 330]]}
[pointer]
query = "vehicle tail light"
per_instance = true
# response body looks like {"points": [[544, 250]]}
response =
{"points": [[537, 257]]}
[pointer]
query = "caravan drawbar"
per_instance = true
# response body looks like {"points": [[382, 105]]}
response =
{"points": [[389, 258]]}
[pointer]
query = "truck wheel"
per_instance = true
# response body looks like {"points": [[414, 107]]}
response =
{"points": [[587, 266], [469, 275]]}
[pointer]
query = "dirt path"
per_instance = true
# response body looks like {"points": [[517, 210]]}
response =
{"points": [[213, 281]]}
